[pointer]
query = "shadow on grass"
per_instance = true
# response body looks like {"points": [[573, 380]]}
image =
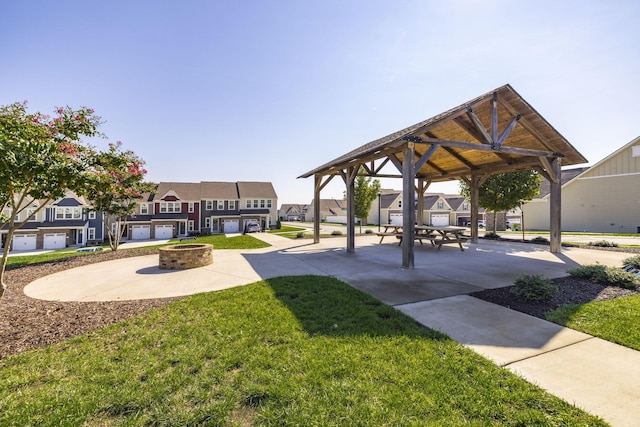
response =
{"points": [[329, 307]]}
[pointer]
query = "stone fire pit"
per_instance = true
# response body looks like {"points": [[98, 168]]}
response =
{"points": [[183, 257]]}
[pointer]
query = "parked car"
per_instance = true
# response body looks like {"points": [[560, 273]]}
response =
{"points": [[481, 223], [252, 228]]}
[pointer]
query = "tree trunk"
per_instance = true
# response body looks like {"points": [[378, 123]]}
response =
{"points": [[3, 262]]}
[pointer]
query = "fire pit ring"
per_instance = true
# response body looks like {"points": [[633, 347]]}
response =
{"points": [[183, 257]]}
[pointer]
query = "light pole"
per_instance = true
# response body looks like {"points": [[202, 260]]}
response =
{"points": [[379, 219]]}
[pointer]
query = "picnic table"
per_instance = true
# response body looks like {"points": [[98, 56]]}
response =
{"points": [[437, 235], [442, 235]]}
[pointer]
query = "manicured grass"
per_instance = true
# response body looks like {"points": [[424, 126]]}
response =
{"points": [[289, 232], [219, 241], [293, 351], [18, 260], [614, 320]]}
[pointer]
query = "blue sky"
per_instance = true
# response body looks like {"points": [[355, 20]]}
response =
{"points": [[267, 90]]}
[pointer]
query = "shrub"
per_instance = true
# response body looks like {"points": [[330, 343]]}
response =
{"points": [[533, 288], [605, 275], [604, 244], [336, 233], [620, 278], [540, 240], [633, 261], [591, 272], [491, 235], [368, 231], [300, 234]]}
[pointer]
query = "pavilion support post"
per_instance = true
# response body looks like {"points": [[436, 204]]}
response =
{"points": [[408, 205], [475, 196], [350, 179], [555, 209], [422, 187], [316, 208]]}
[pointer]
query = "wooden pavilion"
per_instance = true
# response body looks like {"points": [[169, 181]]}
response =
{"points": [[494, 133]]}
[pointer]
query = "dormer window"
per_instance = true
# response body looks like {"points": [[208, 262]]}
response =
{"points": [[440, 204]]}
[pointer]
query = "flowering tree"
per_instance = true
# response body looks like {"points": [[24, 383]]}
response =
{"points": [[40, 157], [115, 185]]}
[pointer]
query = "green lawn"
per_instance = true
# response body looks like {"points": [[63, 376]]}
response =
{"points": [[302, 350], [219, 241], [614, 320]]}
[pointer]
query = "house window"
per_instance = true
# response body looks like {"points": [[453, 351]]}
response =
{"points": [[30, 212], [465, 206], [232, 205], [220, 205], [262, 205], [269, 203], [209, 205], [440, 204], [399, 203], [248, 203], [144, 209], [191, 207], [207, 222], [190, 225], [255, 203], [91, 234], [68, 213], [170, 207], [92, 215]]}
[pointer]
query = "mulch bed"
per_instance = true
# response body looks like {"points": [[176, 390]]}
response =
{"points": [[27, 323]]}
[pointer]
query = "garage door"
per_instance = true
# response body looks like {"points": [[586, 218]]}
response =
{"points": [[440, 219], [164, 231], [140, 232], [231, 226], [25, 242], [55, 241], [395, 219]]}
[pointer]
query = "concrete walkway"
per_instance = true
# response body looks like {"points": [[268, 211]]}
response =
{"points": [[588, 372]]}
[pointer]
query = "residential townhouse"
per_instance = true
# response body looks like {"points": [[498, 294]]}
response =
{"points": [[292, 212], [178, 209], [173, 210], [66, 222], [439, 209]]}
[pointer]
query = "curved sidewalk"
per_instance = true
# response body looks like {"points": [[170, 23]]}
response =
{"points": [[588, 372]]}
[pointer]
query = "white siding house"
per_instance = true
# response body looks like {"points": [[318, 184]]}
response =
{"points": [[603, 198]]}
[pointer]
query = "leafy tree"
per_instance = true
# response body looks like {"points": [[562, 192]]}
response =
{"points": [[503, 192], [115, 184], [40, 157], [366, 189]]}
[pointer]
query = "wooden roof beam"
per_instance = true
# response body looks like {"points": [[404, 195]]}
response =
{"points": [[460, 158], [483, 147], [551, 175]]}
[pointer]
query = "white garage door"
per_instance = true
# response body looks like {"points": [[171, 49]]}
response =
{"points": [[231, 226], [140, 232], [55, 241], [395, 219], [164, 231], [25, 242], [440, 219]]}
